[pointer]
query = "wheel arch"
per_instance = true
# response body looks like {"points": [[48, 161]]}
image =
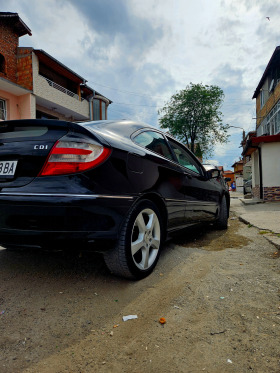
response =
{"points": [[158, 201], [227, 196]]}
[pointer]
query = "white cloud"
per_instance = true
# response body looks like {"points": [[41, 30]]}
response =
{"points": [[156, 47]]}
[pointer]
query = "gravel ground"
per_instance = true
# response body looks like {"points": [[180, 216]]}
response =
{"points": [[218, 291]]}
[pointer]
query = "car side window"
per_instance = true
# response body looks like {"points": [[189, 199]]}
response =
{"points": [[185, 159], [154, 141]]}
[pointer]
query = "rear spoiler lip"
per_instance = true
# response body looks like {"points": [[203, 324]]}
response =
{"points": [[55, 123], [36, 122]]}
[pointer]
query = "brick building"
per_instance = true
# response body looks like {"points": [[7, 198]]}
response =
{"points": [[15, 100], [34, 84]]}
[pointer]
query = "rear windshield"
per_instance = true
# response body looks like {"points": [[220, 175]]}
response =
{"points": [[19, 132]]}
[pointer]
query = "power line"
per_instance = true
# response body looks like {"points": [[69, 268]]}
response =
{"points": [[123, 103], [165, 97], [129, 92]]}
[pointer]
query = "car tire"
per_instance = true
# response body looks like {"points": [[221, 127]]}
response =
{"points": [[138, 248], [222, 220]]}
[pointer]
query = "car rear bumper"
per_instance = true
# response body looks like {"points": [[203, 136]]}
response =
{"points": [[39, 219]]}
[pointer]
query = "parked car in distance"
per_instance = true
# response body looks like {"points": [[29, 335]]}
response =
{"points": [[248, 185], [120, 185]]}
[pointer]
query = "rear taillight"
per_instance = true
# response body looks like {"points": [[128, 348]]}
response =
{"points": [[68, 157]]}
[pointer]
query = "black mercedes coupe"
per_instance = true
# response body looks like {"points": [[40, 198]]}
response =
{"points": [[120, 186]]}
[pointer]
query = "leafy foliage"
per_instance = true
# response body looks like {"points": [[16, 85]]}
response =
{"points": [[193, 116]]}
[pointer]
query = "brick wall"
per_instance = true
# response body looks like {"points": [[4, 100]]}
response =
{"points": [[24, 68], [8, 49], [271, 193]]}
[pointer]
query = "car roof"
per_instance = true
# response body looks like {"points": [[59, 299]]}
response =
{"points": [[127, 127]]}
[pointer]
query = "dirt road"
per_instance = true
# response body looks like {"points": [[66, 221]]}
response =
{"points": [[218, 291]]}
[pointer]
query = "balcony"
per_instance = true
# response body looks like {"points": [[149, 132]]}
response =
{"points": [[62, 89], [51, 95]]}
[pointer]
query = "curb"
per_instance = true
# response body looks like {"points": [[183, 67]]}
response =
{"points": [[275, 241]]}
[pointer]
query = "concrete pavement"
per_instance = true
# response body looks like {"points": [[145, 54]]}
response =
{"points": [[264, 216]]}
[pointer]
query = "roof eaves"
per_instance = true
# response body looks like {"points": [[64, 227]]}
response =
{"points": [[265, 73], [266, 139], [98, 93], [38, 51], [23, 29], [41, 51]]}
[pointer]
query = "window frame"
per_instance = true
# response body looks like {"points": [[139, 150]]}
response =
{"points": [[96, 109], [138, 133], [174, 159], [4, 110], [262, 99], [196, 163], [271, 124], [99, 109], [2, 64]]}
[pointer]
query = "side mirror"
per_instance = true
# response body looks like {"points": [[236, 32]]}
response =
{"points": [[214, 173]]}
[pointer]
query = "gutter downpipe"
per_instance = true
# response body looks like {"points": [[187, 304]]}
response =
{"points": [[90, 106], [260, 170]]}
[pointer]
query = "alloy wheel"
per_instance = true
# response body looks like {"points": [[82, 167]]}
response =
{"points": [[145, 239]]}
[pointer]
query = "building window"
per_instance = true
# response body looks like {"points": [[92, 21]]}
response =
{"points": [[2, 64], [271, 124], [277, 123], [3, 110], [99, 110], [96, 110], [262, 99], [103, 107]]}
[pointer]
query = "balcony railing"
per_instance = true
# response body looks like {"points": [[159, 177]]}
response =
{"points": [[62, 89]]}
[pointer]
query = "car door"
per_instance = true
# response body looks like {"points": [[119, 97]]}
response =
{"points": [[201, 194], [167, 174]]}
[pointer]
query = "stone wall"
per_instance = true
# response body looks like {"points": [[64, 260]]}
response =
{"points": [[271, 193]]}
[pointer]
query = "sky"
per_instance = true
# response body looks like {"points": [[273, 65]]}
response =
{"points": [[138, 53]]}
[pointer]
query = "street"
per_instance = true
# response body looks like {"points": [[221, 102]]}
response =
{"points": [[217, 290]]}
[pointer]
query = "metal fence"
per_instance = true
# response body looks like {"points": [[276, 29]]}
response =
{"points": [[61, 89]]}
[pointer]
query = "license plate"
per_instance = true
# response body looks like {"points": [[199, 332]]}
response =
{"points": [[8, 168]]}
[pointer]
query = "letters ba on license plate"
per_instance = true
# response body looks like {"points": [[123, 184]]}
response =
{"points": [[8, 168]]}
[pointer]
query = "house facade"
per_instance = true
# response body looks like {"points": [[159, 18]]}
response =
{"points": [[230, 175], [263, 148], [238, 175], [247, 158], [34, 84]]}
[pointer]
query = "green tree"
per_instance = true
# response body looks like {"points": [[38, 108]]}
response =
{"points": [[193, 116]]}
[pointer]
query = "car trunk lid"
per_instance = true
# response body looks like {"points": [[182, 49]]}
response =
{"points": [[24, 148]]}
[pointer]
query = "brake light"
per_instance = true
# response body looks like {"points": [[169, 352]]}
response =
{"points": [[68, 157]]}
